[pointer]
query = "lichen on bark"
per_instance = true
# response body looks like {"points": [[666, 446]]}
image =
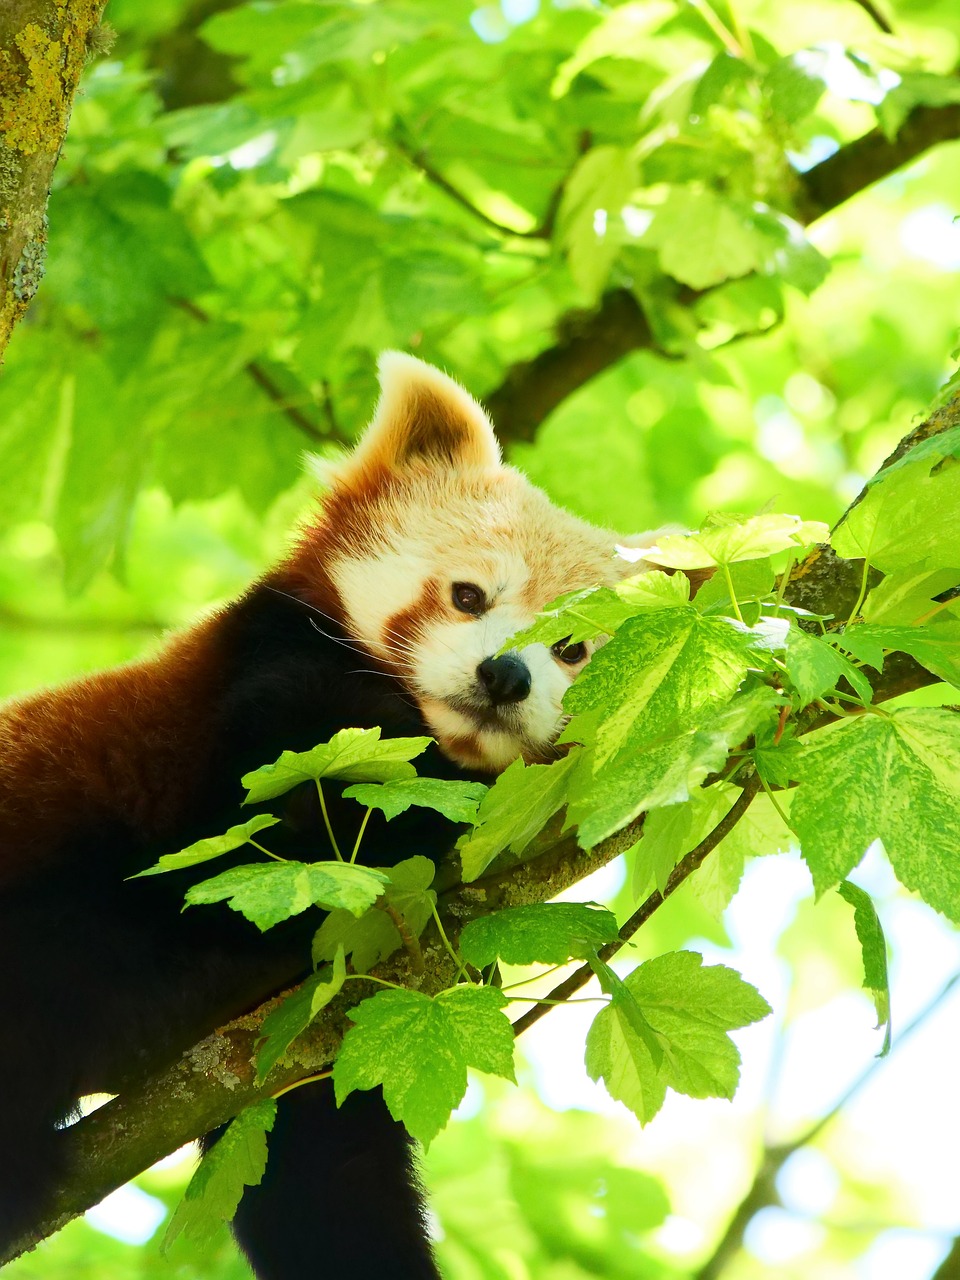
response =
{"points": [[43, 49]]}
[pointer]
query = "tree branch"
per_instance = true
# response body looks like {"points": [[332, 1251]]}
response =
{"points": [[257, 373], [215, 1080], [43, 49], [763, 1190], [590, 341], [686, 867]]}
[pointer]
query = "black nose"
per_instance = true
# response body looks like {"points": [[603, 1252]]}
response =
{"points": [[505, 679]]}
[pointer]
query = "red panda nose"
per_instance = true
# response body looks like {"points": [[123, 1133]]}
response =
{"points": [[506, 679]]}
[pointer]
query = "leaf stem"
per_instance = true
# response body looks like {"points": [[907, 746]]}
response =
{"points": [[275, 856], [288, 1088], [326, 823], [776, 803], [369, 977], [733, 595], [363, 827], [782, 584], [543, 974], [863, 592], [449, 946]]}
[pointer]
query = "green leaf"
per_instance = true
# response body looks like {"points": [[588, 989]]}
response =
{"points": [[627, 1009], [456, 800], [514, 810], [907, 595], [352, 755], [726, 543], [795, 85], [419, 1049], [597, 611], [671, 832], [935, 646], [282, 1025], [723, 73], [894, 778], [238, 1160], [667, 770], [212, 847], [623, 32], [691, 1009], [374, 936], [874, 947], [543, 933], [589, 221], [814, 666], [266, 893], [752, 581], [703, 239], [660, 671], [910, 511]]}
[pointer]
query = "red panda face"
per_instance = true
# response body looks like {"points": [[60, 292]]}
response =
{"points": [[437, 553]]}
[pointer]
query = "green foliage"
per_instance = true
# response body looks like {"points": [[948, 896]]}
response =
{"points": [[457, 801], [212, 847], [232, 243], [690, 1009], [352, 755], [407, 898], [282, 1025], [546, 933], [237, 1161], [275, 891], [419, 1050], [893, 777], [873, 945], [514, 810]]}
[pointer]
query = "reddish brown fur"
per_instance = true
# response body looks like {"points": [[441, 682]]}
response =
{"points": [[403, 629], [66, 754]]}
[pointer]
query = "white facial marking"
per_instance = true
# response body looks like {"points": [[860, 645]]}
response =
{"points": [[375, 590]]}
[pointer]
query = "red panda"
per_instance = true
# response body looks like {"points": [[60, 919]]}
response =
{"points": [[425, 556]]}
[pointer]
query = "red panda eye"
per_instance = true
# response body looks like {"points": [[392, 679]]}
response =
{"points": [[569, 653], [468, 598]]}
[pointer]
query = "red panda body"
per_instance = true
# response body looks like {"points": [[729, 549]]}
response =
{"points": [[427, 555]]}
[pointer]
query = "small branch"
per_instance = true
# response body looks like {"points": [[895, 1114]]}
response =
{"points": [[258, 374], [873, 12], [588, 342], [686, 867], [418, 159], [873, 156], [763, 1191], [544, 228]]}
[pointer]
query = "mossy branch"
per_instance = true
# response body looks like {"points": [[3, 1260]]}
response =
{"points": [[216, 1079], [44, 45]]}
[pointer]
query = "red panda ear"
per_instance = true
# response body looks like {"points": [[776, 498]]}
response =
{"points": [[422, 417]]}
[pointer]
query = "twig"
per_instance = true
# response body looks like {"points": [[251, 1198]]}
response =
{"points": [[686, 867], [258, 374], [762, 1191], [871, 9]]}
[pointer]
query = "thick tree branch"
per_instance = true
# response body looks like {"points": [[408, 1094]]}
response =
{"points": [[215, 1080], [43, 48]]}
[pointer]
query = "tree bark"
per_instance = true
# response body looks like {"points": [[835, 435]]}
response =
{"points": [[215, 1080], [43, 49]]}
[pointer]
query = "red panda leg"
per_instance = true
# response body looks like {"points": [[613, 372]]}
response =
{"points": [[340, 1197]]}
